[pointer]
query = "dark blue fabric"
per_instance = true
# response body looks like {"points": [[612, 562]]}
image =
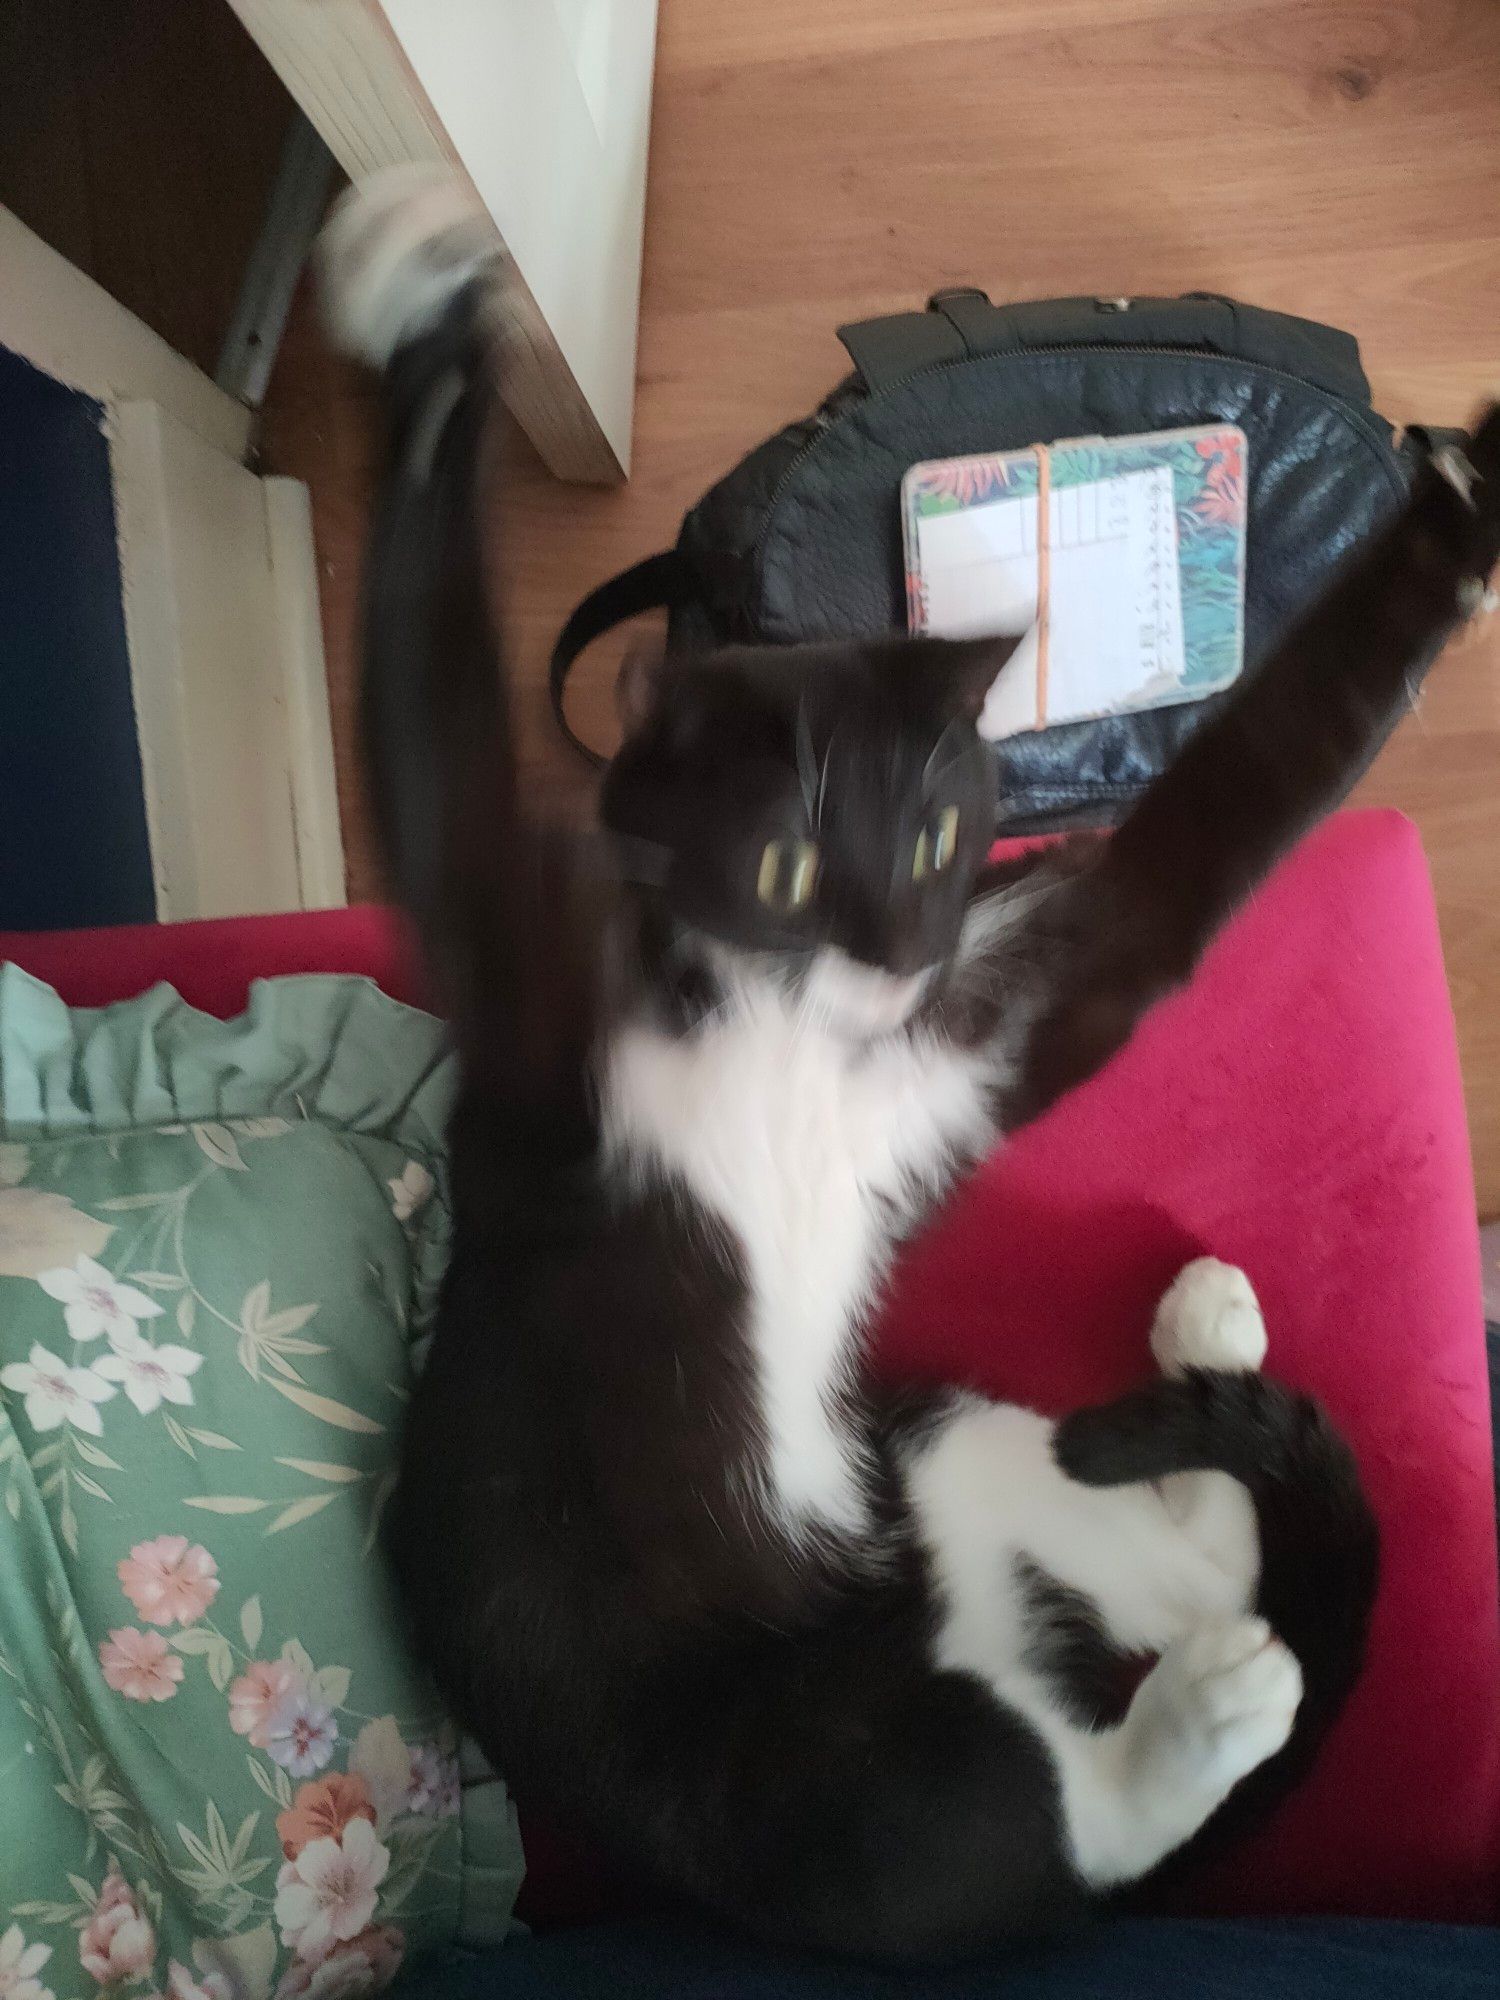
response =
{"points": [[1126, 1960], [73, 841]]}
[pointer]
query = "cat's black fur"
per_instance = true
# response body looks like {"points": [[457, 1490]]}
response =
{"points": [[748, 1714]]}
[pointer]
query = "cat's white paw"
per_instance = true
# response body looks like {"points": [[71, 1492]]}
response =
{"points": [[1209, 1318], [393, 252], [1226, 1697]]}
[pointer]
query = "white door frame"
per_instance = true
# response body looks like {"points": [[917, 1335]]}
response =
{"points": [[545, 106]]}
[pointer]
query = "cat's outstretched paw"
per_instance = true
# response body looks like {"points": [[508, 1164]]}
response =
{"points": [[1460, 505], [1225, 1697], [395, 251], [1209, 1318]]}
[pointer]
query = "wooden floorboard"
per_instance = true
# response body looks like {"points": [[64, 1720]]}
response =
{"points": [[819, 160]]}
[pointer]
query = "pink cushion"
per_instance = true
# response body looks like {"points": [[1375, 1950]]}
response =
{"points": [[1298, 1112]]}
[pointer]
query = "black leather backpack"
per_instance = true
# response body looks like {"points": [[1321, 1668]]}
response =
{"points": [[802, 540]]}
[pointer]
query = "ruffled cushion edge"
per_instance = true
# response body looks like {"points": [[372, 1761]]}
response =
{"points": [[329, 1046]]}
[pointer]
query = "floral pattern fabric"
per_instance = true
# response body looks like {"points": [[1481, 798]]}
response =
{"points": [[219, 1245]]}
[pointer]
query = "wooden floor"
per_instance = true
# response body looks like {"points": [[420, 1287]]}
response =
{"points": [[818, 160]]}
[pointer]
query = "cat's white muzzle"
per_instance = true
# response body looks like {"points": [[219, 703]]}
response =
{"points": [[861, 1001]]}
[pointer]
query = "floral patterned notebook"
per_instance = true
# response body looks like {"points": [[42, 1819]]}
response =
{"points": [[1120, 560]]}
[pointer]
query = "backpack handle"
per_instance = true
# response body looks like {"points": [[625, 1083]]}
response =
{"points": [[962, 324], [654, 582]]}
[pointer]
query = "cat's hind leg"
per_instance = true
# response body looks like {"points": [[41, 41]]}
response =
{"points": [[1169, 1569], [1209, 1317], [996, 1514], [1215, 1706]]}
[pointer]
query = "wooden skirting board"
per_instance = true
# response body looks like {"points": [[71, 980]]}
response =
{"points": [[226, 657]]}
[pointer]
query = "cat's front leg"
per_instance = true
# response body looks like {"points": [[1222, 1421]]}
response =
{"points": [[1090, 939]]}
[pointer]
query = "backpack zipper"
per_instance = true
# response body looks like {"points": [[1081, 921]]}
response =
{"points": [[1384, 449]]}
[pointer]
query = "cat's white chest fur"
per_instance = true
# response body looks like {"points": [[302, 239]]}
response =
{"points": [[813, 1151]]}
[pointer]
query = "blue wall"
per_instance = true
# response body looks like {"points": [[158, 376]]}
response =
{"points": [[73, 845]]}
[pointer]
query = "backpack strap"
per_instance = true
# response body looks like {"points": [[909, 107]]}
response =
{"points": [[655, 581], [887, 350]]}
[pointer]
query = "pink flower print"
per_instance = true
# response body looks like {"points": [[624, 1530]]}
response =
{"points": [[350, 1971], [57, 1394], [300, 1731], [965, 479], [434, 1782], [1222, 499], [94, 1303], [1225, 451], [150, 1376], [139, 1665], [183, 1985], [327, 1895], [168, 1582], [117, 1942], [254, 1696], [20, 1963], [321, 1811]]}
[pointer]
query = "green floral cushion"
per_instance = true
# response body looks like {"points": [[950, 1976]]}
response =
{"points": [[219, 1242]]}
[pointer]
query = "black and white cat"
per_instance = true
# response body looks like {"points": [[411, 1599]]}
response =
{"points": [[844, 1673]]}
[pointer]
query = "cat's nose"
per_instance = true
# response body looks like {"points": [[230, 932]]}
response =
{"points": [[880, 938], [902, 957]]}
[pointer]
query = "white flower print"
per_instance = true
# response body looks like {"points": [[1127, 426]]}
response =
{"points": [[15, 1165], [327, 1895], [56, 1393], [410, 1190], [39, 1230], [150, 1376], [96, 1303], [300, 1731], [20, 1963]]}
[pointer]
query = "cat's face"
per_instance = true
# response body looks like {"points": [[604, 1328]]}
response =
{"points": [[824, 806]]}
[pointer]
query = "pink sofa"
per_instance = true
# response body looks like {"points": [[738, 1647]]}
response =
{"points": [[1297, 1111]]}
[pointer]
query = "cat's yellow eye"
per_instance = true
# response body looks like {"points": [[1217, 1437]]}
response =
{"points": [[937, 844], [788, 874]]}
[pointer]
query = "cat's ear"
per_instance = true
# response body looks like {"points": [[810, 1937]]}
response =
{"points": [[961, 672], [638, 684]]}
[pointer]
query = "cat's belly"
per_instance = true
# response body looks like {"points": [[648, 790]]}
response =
{"points": [[816, 1156]]}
